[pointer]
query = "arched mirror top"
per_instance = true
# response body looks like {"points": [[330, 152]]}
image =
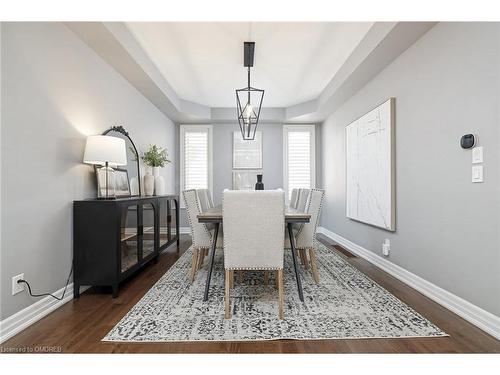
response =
{"points": [[132, 158]]}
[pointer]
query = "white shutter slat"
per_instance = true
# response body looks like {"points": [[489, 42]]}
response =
{"points": [[299, 161], [196, 159]]}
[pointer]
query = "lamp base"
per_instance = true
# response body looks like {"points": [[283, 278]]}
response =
{"points": [[106, 182]]}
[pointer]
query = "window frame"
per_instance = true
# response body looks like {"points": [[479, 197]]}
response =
{"points": [[311, 128], [182, 132]]}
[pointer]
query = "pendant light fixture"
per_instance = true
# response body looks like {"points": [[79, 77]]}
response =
{"points": [[248, 99]]}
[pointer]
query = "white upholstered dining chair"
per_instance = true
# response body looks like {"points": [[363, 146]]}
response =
{"points": [[293, 198], [254, 222], [201, 234], [306, 233]]}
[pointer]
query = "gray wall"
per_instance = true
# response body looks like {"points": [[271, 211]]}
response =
{"points": [[55, 92], [446, 85], [272, 159]]}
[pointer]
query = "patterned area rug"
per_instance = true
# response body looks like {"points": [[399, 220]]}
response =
{"points": [[345, 305]]}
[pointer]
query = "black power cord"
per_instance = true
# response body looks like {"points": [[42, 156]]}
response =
{"points": [[48, 294]]}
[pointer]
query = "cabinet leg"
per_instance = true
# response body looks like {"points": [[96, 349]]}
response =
{"points": [[76, 290], [115, 290]]}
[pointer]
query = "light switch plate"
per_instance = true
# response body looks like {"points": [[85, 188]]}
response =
{"points": [[477, 173], [477, 155]]}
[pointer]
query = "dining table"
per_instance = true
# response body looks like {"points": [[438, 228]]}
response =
{"points": [[292, 216]]}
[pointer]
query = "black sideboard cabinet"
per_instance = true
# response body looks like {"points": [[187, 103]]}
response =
{"points": [[113, 239]]}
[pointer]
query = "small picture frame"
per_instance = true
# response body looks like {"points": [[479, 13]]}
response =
{"points": [[122, 184], [119, 185]]}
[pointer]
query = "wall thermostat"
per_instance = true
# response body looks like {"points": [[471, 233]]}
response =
{"points": [[468, 141]]}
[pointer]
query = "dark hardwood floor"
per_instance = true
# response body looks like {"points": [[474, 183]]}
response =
{"points": [[79, 325]]}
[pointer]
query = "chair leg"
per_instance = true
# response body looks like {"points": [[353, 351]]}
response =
{"points": [[303, 258], [281, 293], [314, 266], [266, 278], [204, 253], [194, 265], [201, 254], [300, 256], [276, 281], [227, 314], [231, 279]]}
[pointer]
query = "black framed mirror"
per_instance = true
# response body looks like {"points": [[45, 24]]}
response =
{"points": [[132, 166]]}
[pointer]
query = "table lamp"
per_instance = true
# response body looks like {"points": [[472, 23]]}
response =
{"points": [[106, 151]]}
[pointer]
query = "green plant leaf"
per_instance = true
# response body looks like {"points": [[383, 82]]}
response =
{"points": [[155, 156]]}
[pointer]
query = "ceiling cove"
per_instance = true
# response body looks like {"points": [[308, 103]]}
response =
{"points": [[190, 70]]}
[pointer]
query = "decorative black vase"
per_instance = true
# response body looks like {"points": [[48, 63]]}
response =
{"points": [[259, 185]]}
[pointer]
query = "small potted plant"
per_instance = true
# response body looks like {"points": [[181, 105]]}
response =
{"points": [[154, 158]]}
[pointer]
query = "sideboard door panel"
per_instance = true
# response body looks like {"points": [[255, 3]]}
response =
{"points": [[149, 230], [168, 217], [129, 237]]}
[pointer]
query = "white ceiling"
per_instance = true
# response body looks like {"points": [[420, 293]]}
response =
{"points": [[203, 61]]}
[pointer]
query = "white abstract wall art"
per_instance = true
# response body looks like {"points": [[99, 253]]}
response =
{"points": [[247, 154], [370, 161]]}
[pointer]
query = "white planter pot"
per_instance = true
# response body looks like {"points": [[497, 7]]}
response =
{"points": [[149, 182]]}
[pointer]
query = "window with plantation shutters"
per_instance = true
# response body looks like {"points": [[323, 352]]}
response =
{"points": [[299, 157], [196, 157]]}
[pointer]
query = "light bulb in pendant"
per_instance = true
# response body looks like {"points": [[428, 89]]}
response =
{"points": [[248, 112]]}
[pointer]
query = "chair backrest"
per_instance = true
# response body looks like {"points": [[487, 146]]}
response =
{"points": [[254, 223], [200, 235], [302, 199], [307, 231], [205, 199], [209, 198], [293, 199]]}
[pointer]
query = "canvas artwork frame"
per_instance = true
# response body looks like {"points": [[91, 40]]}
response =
{"points": [[370, 167], [247, 154]]}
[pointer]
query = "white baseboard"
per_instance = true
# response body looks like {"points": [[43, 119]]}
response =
{"points": [[21, 320], [482, 319]]}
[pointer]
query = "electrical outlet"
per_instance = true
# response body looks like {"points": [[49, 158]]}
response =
{"points": [[386, 247], [17, 287]]}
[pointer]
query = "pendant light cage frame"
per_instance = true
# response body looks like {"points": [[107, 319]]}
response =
{"points": [[248, 122], [248, 115]]}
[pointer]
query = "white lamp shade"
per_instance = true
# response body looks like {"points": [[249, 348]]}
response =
{"points": [[104, 148]]}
